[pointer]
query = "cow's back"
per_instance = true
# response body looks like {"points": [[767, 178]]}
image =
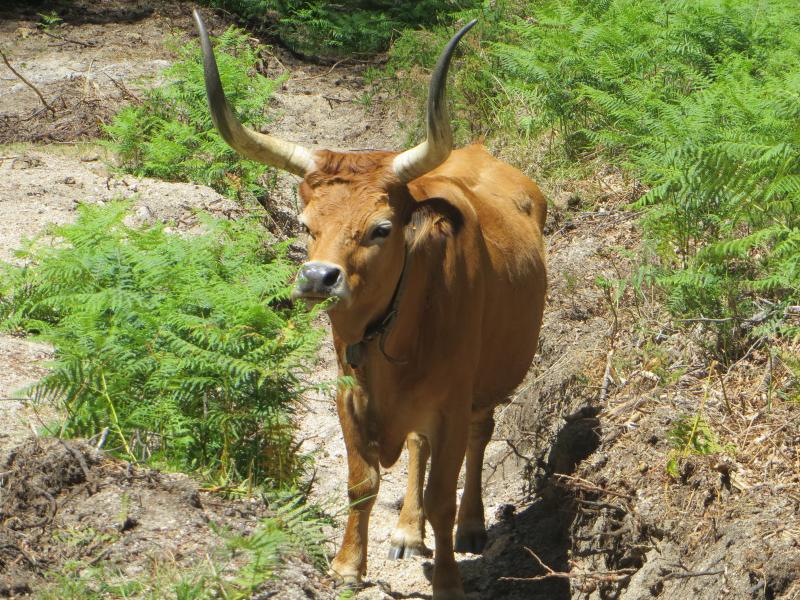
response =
{"points": [[510, 211]]}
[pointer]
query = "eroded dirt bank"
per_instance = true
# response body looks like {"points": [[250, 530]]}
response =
{"points": [[575, 476]]}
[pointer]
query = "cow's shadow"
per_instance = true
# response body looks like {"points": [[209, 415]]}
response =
{"points": [[542, 528]]}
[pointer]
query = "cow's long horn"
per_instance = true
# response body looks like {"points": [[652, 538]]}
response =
{"points": [[256, 146], [436, 148]]}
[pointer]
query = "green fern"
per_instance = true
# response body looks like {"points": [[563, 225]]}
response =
{"points": [[698, 100], [183, 348], [170, 134], [342, 28]]}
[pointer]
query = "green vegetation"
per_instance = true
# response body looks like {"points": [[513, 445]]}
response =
{"points": [[183, 349], [699, 101], [691, 435], [341, 28], [236, 570], [170, 134]]}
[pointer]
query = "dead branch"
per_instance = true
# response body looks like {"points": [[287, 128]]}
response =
{"points": [[28, 83], [71, 41], [721, 378], [685, 573], [32, 562], [332, 99], [692, 574], [588, 486], [604, 576], [78, 456], [122, 88], [318, 75]]}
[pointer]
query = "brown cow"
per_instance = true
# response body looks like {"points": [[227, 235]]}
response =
{"points": [[436, 263]]}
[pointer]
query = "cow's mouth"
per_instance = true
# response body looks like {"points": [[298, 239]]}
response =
{"points": [[320, 281], [311, 300], [314, 299]]}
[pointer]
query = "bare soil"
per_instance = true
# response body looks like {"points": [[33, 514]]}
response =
{"points": [[64, 502], [575, 476]]}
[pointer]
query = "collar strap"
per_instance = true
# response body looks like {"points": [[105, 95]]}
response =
{"points": [[354, 353]]}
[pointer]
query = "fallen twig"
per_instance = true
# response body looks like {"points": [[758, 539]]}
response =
{"points": [[99, 557], [318, 75], [28, 83], [71, 41], [588, 486], [78, 456], [122, 88], [22, 553], [606, 576], [692, 574], [686, 573]]}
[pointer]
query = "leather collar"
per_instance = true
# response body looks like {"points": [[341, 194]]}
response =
{"points": [[355, 353]]}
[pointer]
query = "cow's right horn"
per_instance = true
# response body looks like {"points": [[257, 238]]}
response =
{"points": [[436, 148], [256, 146]]}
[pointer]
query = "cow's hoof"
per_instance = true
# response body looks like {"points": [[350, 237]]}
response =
{"points": [[399, 550], [345, 577], [472, 541]]}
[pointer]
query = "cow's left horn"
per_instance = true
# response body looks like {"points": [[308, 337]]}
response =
{"points": [[436, 148], [256, 146]]}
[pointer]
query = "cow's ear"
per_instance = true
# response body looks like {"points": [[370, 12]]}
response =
{"points": [[430, 223]]}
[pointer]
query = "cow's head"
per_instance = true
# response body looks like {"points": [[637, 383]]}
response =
{"points": [[356, 205]]}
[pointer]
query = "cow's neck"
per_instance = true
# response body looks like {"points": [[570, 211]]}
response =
{"points": [[399, 347], [379, 329]]}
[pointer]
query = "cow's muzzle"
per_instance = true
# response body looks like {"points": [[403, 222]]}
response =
{"points": [[319, 280]]}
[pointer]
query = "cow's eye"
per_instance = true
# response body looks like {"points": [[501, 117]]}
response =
{"points": [[380, 231], [306, 230]]}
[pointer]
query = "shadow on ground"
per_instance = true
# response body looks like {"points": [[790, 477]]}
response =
{"points": [[506, 566]]}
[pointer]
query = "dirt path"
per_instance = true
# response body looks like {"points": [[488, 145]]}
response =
{"points": [[43, 185]]}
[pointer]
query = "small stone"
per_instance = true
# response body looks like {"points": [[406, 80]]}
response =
{"points": [[69, 180], [143, 213]]}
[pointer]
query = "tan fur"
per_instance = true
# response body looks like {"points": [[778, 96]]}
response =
{"points": [[465, 334]]}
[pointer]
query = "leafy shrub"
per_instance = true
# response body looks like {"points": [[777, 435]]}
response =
{"points": [[698, 100], [182, 348], [313, 27], [170, 134]]}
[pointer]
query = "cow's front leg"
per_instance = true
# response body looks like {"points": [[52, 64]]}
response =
{"points": [[408, 537], [447, 454], [363, 482]]}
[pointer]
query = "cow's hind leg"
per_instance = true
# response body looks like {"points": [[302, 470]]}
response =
{"points": [[408, 537], [447, 454], [471, 531], [363, 482]]}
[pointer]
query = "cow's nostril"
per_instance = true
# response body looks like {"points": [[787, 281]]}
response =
{"points": [[331, 277]]}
